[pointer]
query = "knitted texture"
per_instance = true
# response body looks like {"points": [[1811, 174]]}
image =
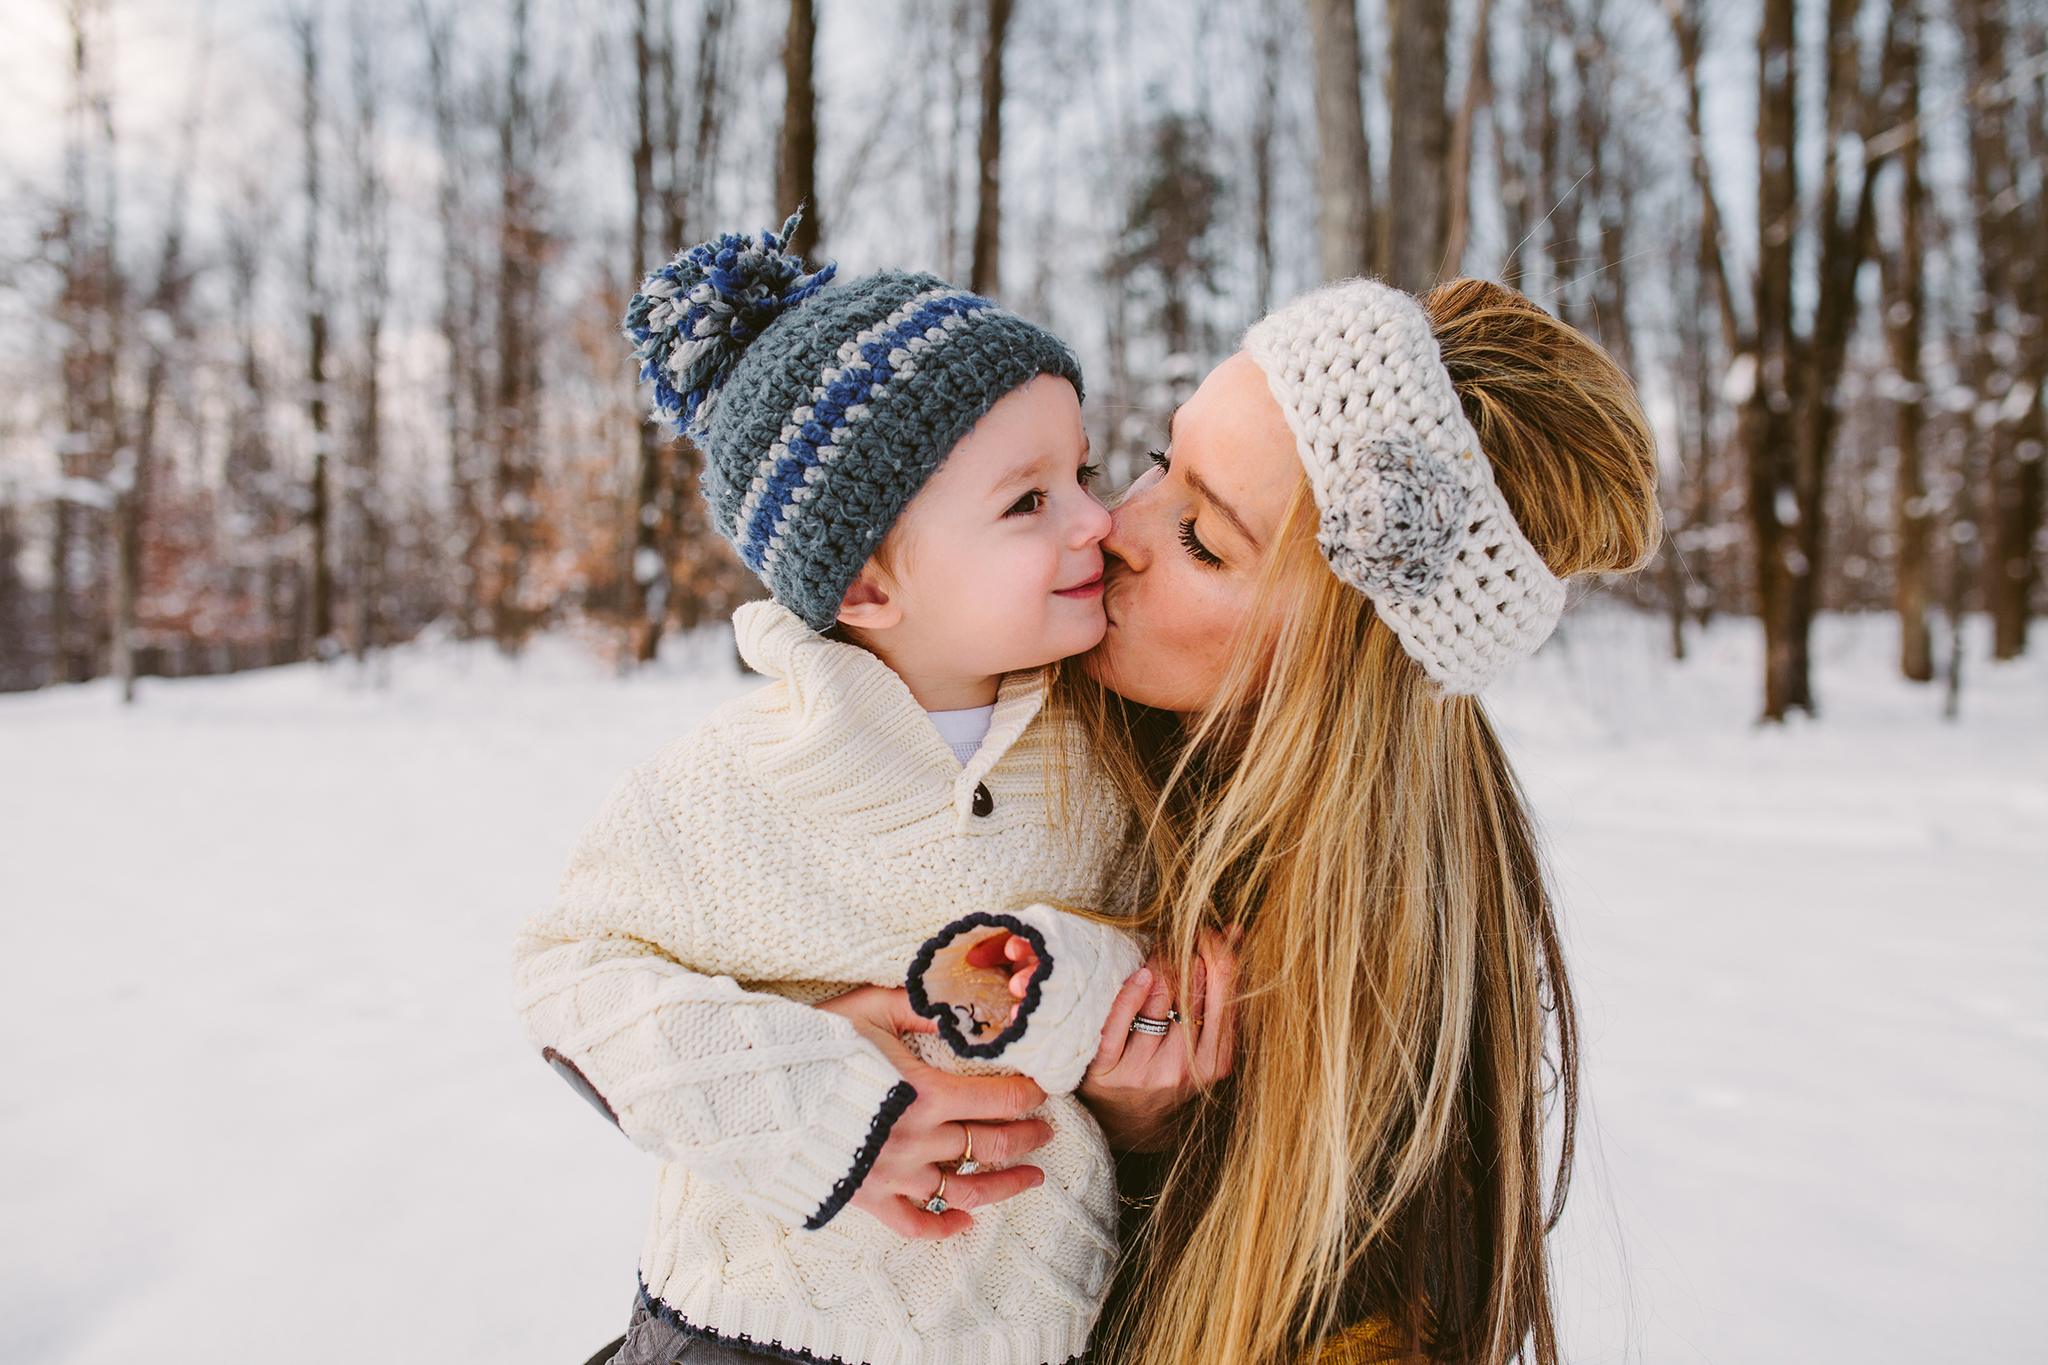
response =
{"points": [[821, 411], [1082, 966], [803, 840], [1410, 513]]}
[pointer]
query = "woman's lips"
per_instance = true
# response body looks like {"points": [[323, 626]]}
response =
{"points": [[1081, 592]]}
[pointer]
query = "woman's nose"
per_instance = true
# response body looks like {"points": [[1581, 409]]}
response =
{"points": [[1124, 539]]}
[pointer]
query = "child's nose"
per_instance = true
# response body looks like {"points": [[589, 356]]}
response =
{"points": [[1092, 524]]}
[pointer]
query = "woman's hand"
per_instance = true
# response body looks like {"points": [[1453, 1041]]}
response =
{"points": [[930, 1137], [1139, 1081]]}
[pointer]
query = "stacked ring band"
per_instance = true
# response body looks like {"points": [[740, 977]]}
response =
{"points": [[1156, 1027]]}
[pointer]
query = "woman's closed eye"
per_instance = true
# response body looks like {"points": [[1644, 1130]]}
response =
{"points": [[1193, 545]]}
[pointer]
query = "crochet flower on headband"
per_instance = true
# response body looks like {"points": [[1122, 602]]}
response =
{"points": [[692, 319], [1409, 512]]}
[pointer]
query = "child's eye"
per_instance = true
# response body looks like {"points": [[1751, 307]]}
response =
{"points": [[1087, 474], [1027, 505], [1201, 552]]}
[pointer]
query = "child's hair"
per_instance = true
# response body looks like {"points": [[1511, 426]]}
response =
{"points": [[1405, 1019]]}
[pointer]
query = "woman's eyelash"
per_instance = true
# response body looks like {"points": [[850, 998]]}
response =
{"points": [[1161, 459], [1087, 474], [1195, 547]]}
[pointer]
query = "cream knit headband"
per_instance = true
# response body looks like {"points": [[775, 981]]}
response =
{"points": [[1411, 516]]}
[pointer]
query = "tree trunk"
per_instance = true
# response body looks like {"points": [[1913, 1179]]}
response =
{"points": [[459, 333], [321, 626], [515, 400], [90, 315], [367, 561], [1478, 96], [1608, 189], [1904, 300], [2013, 509], [1767, 427], [1265, 116], [1556, 190], [796, 182], [988, 216], [1419, 143], [1343, 158], [647, 583]]}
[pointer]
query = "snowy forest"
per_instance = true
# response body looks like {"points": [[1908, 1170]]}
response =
{"points": [[309, 308]]}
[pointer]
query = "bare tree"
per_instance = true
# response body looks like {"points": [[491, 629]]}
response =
{"points": [[988, 217], [514, 425], [1265, 117], [1343, 157], [1477, 98], [1904, 305], [1412, 240], [90, 308], [370, 221], [648, 579], [2006, 393], [460, 324], [796, 181], [1792, 415], [1166, 238], [320, 628], [166, 328]]}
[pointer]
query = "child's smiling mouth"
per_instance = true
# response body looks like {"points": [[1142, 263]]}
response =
{"points": [[1081, 592]]}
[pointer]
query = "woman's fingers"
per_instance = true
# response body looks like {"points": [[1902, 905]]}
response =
{"points": [[1116, 1030], [910, 1219], [980, 1190], [1216, 1048], [998, 1144]]}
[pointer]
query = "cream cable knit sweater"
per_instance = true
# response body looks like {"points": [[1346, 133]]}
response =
{"points": [[803, 840]]}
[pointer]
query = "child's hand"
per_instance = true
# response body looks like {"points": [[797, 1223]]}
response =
{"points": [[1010, 951]]}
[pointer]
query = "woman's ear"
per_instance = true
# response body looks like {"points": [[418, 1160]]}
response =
{"points": [[868, 604]]}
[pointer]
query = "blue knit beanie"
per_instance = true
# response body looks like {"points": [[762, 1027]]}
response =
{"points": [[821, 411]]}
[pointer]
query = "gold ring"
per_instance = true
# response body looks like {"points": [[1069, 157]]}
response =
{"points": [[966, 1165], [937, 1203]]}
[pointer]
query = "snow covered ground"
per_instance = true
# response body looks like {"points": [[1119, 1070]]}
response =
{"points": [[264, 1098]]}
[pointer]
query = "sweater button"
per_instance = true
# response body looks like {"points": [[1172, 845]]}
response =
{"points": [[983, 802]]}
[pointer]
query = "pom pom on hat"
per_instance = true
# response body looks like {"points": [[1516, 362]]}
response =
{"points": [[693, 319]]}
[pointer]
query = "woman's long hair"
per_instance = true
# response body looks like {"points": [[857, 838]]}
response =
{"points": [[1405, 1022]]}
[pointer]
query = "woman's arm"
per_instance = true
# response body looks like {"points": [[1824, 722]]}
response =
{"points": [[1139, 1081]]}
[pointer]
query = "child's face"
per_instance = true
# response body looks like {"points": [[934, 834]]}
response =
{"points": [[996, 564]]}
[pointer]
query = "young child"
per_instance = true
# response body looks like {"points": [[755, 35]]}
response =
{"points": [[903, 464]]}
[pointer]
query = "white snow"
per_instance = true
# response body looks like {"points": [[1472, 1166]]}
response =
{"points": [[265, 1099]]}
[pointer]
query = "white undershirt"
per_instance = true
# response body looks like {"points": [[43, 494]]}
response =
{"points": [[963, 731]]}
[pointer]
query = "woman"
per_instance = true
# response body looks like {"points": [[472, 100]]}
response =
{"points": [[1305, 592]]}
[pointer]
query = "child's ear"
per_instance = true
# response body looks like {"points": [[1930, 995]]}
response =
{"points": [[868, 604]]}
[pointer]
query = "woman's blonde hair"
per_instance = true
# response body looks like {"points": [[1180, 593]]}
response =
{"points": [[1377, 1155]]}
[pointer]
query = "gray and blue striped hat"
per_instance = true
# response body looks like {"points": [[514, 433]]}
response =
{"points": [[821, 411]]}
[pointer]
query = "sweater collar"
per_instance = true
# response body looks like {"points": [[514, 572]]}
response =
{"points": [[840, 691]]}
